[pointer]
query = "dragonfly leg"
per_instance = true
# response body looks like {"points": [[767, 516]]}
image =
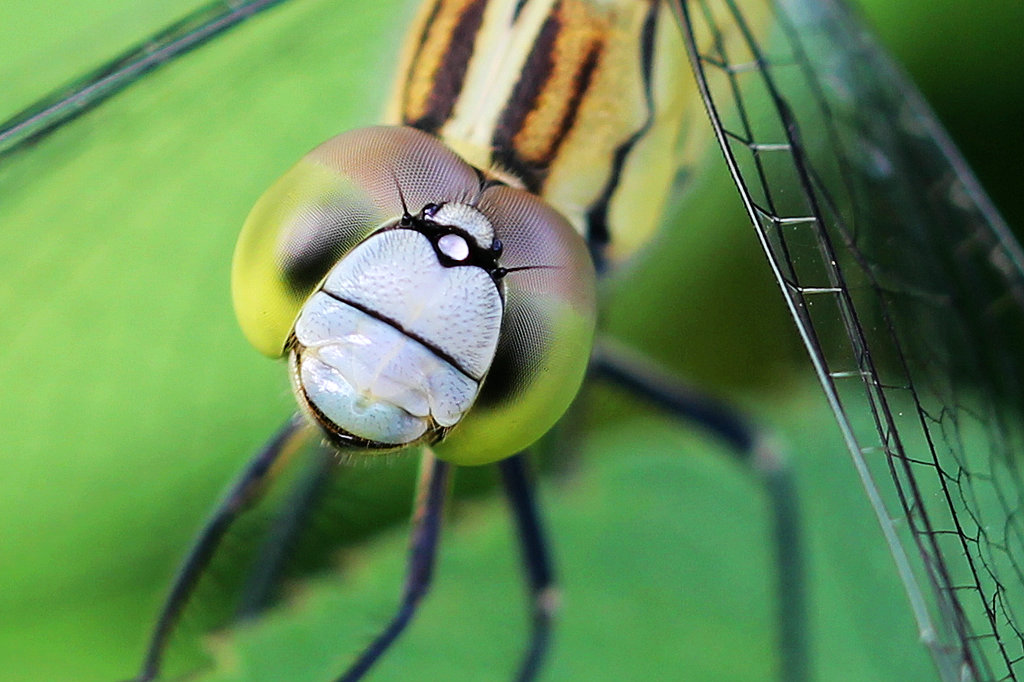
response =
{"points": [[754, 450], [430, 497], [242, 493], [536, 560], [258, 590]]}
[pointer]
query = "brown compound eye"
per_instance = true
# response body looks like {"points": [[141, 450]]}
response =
{"points": [[416, 303]]}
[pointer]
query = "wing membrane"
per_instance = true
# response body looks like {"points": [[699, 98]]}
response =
{"points": [[90, 90], [906, 287]]}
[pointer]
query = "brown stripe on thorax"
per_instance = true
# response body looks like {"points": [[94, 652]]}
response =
{"points": [[546, 99], [438, 68]]}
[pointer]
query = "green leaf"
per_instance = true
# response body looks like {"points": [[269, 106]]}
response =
{"points": [[662, 546], [130, 399]]}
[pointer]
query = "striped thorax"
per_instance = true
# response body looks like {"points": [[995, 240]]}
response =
{"points": [[431, 282], [579, 101]]}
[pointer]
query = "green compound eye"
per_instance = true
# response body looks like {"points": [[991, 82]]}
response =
{"points": [[417, 301]]}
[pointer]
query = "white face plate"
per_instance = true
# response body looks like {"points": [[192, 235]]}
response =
{"points": [[395, 343]]}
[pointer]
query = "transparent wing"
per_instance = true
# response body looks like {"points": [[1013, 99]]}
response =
{"points": [[907, 289], [93, 87]]}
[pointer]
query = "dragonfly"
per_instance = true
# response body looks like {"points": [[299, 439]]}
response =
{"points": [[948, 623]]}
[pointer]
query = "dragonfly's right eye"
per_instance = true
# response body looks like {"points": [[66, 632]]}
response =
{"points": [[372, 264]]}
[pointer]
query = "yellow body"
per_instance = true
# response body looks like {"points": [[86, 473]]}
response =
{"points": [[578, 103]]}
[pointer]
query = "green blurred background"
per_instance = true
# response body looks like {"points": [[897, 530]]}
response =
{"points": [[130, 397]]}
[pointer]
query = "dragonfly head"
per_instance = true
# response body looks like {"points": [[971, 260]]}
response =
{"points": [[417, 301]]}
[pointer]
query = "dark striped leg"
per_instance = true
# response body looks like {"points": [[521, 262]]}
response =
{"points": [[265, 573], [536, 560], [426, 521], [242, 493], [753, 450]]}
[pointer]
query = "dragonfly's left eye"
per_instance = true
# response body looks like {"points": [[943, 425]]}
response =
{"points": [[373, 264]]}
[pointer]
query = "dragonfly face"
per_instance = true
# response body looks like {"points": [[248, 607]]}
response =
{"points": [[397, 277]]}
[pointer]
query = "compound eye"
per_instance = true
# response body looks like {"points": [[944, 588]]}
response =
{"points": [[453, 246]]}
